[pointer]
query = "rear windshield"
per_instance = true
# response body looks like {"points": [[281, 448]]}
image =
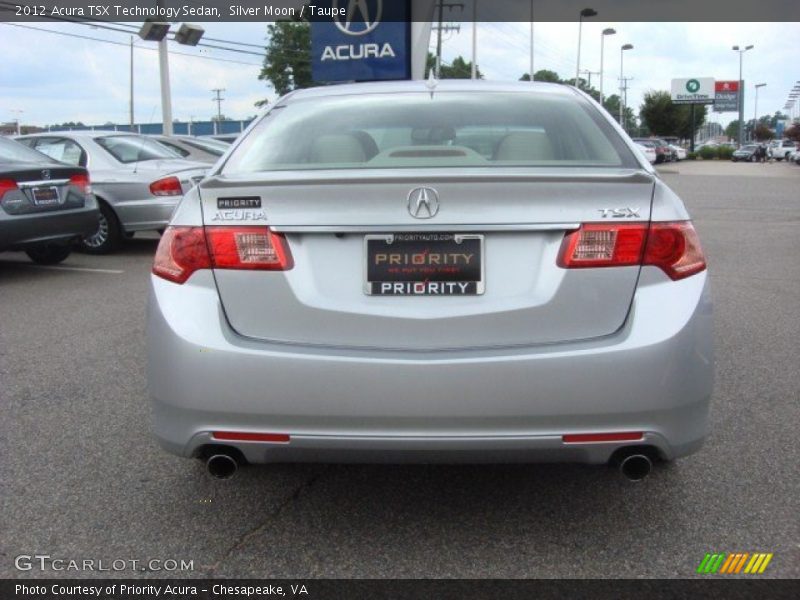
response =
{"points": [[133, 148], [444, 129], [11, 151]]}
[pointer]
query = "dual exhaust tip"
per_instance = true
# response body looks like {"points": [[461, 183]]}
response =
{"points": [[633, 466], [222, 466]]}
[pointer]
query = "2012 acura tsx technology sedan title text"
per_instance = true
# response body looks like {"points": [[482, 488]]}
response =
{"points": [[423, 271]]}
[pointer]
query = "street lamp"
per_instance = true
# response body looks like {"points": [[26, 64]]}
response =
{"points": [[755, 110], [622, 82], [585, 13], [741, 92], [606, 32], [156, 31]]}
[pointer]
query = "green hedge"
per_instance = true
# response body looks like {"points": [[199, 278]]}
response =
{"points": [[724, 152], [691, 156], [708, 153]]}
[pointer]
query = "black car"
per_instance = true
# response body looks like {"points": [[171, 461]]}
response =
{"points": [[44, 204]]}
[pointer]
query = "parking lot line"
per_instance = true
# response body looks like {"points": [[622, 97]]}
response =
{"points": [[86, 269]]}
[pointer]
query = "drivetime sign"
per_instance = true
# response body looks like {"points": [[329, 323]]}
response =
{"points": [[694, 90], [360, 40]]}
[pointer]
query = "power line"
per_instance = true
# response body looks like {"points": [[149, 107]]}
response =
{"points": [[86, 37], [260, 46]]}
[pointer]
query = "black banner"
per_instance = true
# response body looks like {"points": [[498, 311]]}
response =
{"points": [[410, 589], [422, 10]]}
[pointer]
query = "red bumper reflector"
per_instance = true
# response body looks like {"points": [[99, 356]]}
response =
{"points": [[584, 438], [243, 436]]}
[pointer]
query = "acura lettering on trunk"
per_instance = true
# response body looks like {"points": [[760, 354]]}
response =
{"points": [[458, 271]]}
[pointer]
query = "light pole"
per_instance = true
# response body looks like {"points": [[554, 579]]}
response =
{"points": [[755, 109], [531, 57], [622, 81], [156, 31], [585, 13], [606, 32], [741, 92]]}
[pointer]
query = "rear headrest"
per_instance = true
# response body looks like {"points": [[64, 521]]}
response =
{"points": [[337, 148], [524, 146]]}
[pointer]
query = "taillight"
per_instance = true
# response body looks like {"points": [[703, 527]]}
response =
{"points": [[181, 252], [184, 250], [603, 245], [673, 247], [81, 181], [168, 186], [7, 185]]}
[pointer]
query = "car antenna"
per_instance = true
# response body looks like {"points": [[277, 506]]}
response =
{"points": [[141, 147], [431, 82]]}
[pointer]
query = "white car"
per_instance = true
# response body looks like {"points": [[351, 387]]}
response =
{"points": [[649, 153], [680, 152]]}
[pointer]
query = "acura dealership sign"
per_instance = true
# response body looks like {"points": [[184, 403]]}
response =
{"points": [[361, 40]]}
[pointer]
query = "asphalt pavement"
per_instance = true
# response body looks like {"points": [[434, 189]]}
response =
{"points": [[81, 478]]}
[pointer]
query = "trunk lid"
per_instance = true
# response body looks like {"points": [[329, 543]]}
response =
{"points": [[521, 214]]}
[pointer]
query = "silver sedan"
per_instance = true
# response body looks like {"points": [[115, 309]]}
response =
{"points": [[421, 271], [137, 181]]}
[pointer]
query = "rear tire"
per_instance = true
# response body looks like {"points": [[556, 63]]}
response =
{"points": [[108, 235], [48, 254]]}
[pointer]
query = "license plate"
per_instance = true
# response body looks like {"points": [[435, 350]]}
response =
{"points": [[45, 196], [424, 264]]}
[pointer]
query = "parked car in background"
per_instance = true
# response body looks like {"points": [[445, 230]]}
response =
{"points": [[228, 138], [485, 273], [663, 153], [205, 150], [137, 181], [44, 205], [782, 149], [648, 151], [678, 152], [745, 153]]}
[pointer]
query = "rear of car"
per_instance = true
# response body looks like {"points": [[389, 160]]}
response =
{"points": [[137, 181], [479, 272], [44, 205]]}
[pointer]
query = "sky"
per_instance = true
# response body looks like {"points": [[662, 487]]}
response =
{"points": [[54, 78]]}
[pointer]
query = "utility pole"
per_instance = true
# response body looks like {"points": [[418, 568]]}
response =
{"points": [[531, 67], [17, 112], [474, 70], [218, 99], [590, 73], [131, 99], [623, 101], [441, 28]]}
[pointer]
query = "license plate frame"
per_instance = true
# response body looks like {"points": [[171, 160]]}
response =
{"points": [[53, 197], [442, 279]]}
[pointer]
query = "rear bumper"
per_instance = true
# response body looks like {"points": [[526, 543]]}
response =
{"points": [[147, 214], [19, 231], [655, 375]]}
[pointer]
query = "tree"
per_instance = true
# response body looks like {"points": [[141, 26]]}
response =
{"points": [[458, 69], [762, 132], [793, 132], [611, 104], [543, 75], [663, 117], [287, 64], [732, 130]]}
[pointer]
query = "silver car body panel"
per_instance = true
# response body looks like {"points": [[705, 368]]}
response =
{"points": [[543, 353], [126, 186]]}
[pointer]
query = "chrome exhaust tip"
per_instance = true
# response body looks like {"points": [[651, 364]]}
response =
{"points": [[635, 467], [222, 466]]}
